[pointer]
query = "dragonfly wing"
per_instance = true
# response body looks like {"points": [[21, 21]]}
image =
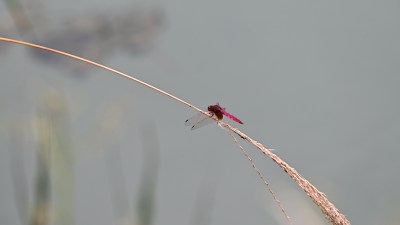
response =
{"points": [[194, 119], [230, 116], [198, 121]]}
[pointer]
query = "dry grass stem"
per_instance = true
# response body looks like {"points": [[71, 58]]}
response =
{"points": [[260, 175], [319, 198], [330, 211]]}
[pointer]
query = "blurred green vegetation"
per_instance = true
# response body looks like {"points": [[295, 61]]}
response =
{"points": [[54, 175], [53, 200]]}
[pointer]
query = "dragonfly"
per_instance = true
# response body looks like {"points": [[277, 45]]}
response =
{"points": [[201, 119]]}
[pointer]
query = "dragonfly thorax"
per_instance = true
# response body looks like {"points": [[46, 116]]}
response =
{"points": [[216, 110]]}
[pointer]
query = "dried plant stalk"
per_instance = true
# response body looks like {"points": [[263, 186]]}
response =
{"points": [[328, 209], [266, 183]]}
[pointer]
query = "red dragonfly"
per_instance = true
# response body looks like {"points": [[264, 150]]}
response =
{"points": [[200, 119]]}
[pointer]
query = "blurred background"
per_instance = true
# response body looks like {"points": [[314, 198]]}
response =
{"points": [[316, 80]]}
